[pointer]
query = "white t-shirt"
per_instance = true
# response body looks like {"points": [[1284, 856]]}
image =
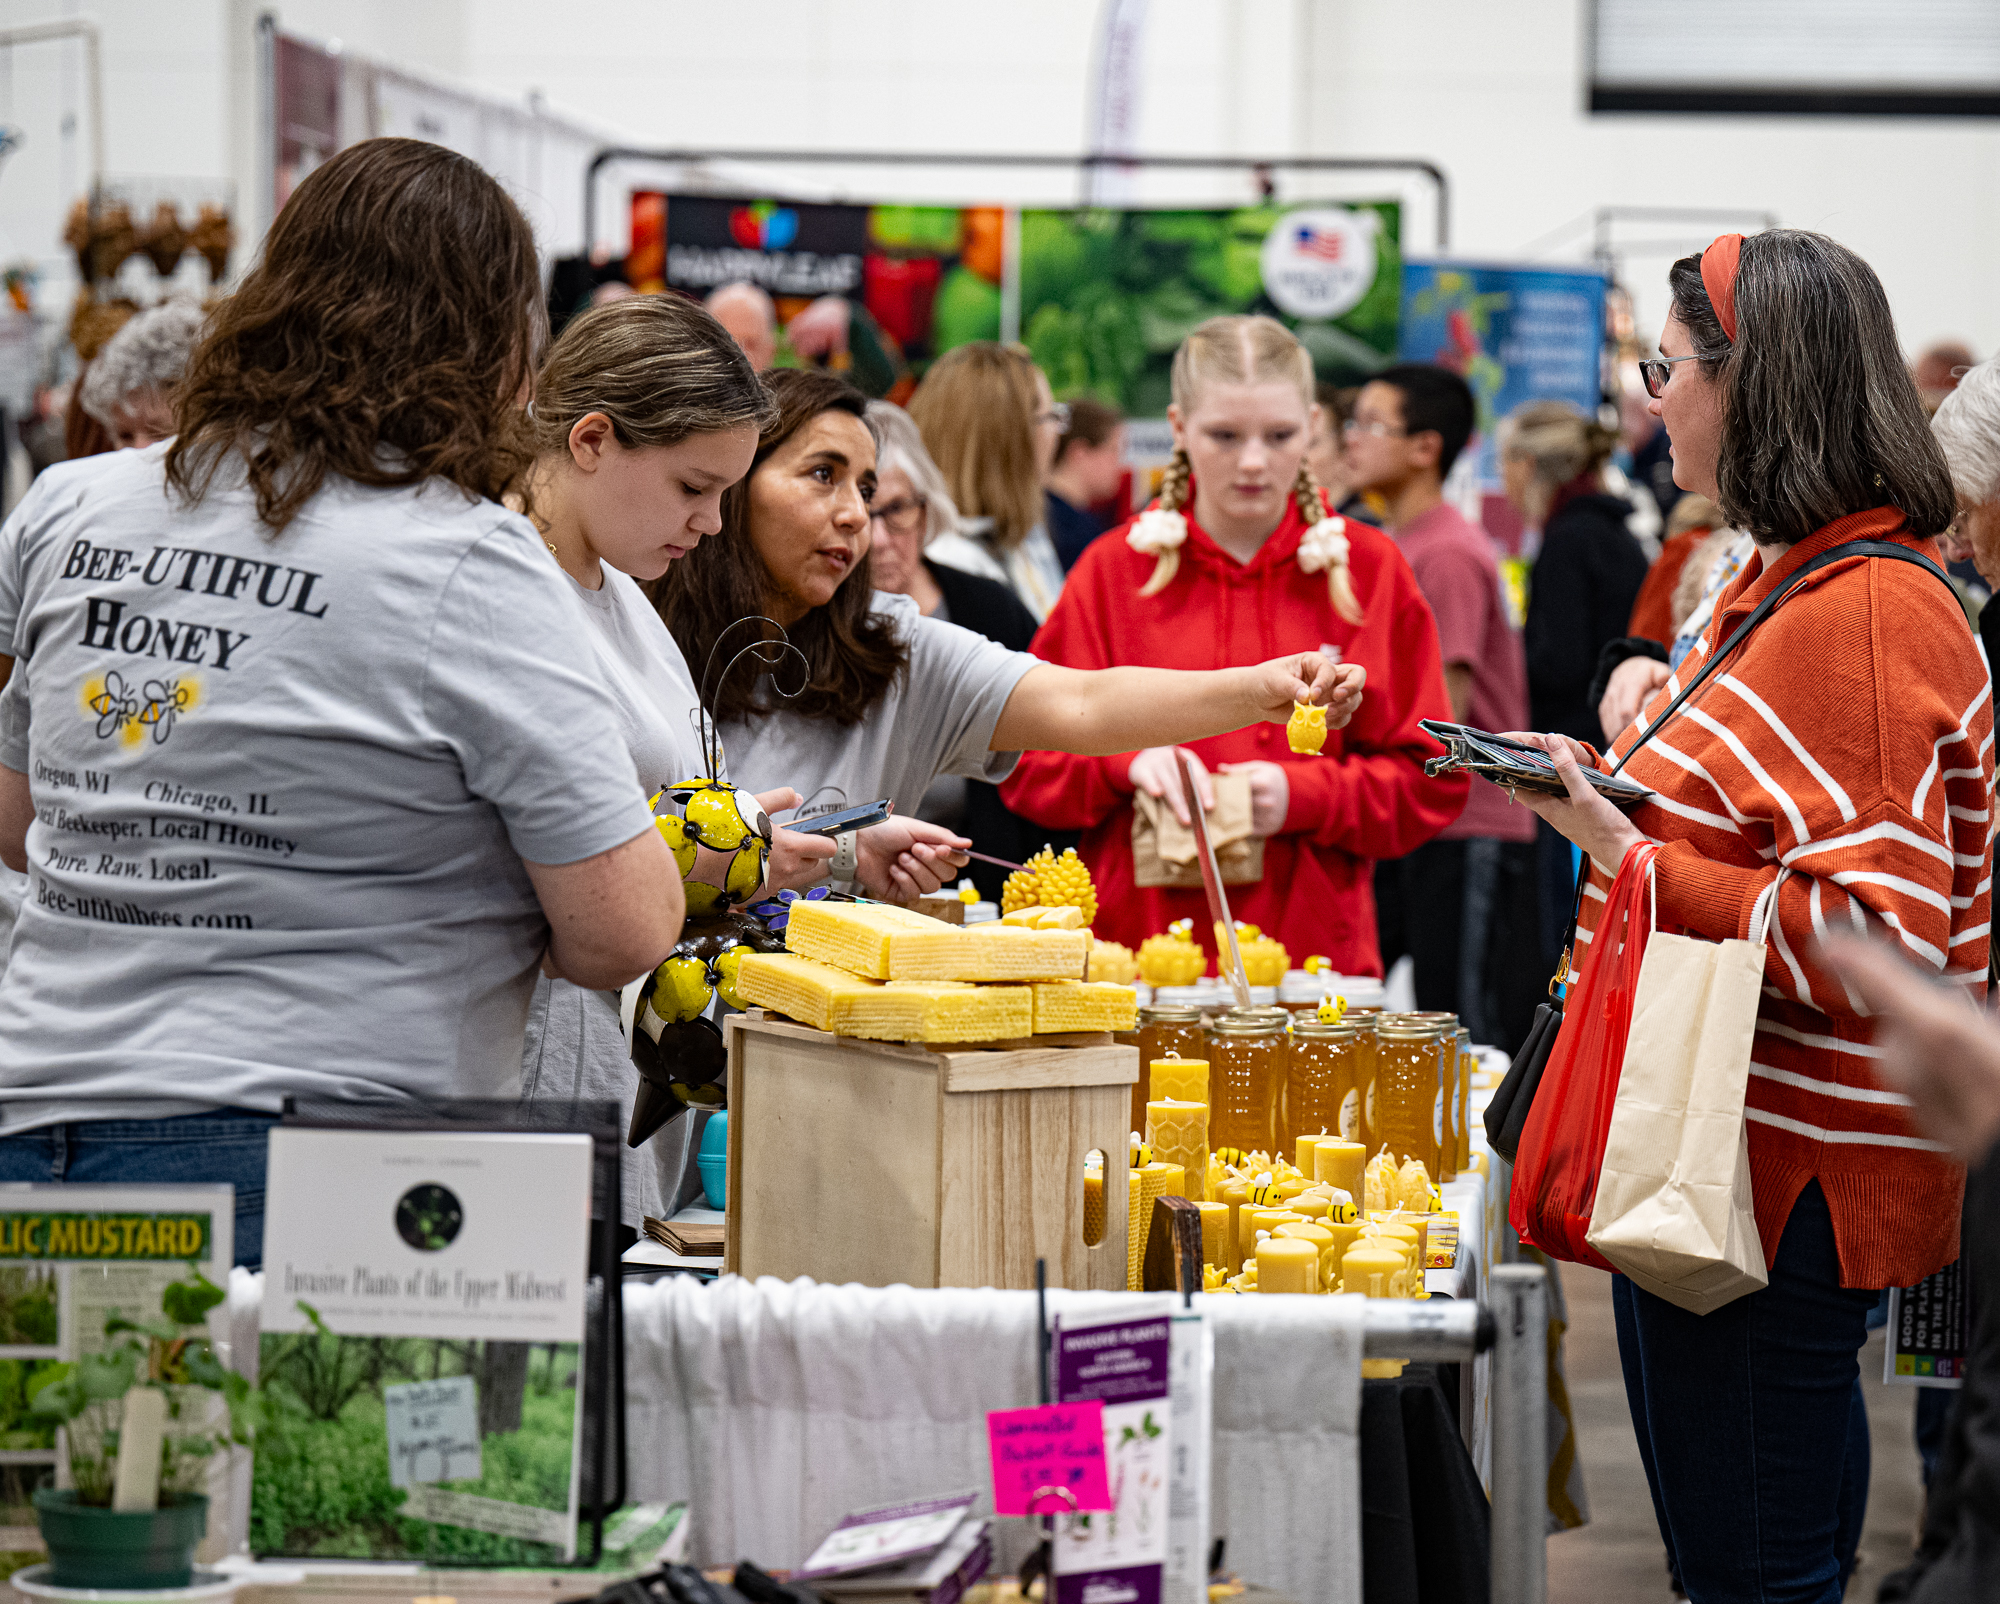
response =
{"points": [[648, 678], [283, 786]]}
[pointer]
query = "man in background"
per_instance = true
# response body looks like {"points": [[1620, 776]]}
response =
{"points": [[1463, 905], [751, 318], [1089, 469]]}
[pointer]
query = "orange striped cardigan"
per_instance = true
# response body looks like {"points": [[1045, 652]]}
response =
{"points": [[1845, 754]]}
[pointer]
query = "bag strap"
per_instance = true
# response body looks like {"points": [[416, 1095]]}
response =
{"points": [[1727, 649]]}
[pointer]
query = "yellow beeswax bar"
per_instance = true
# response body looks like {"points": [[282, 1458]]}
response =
{"points": [[989, 952], [1040, 918], [803, 988], [935, 1011], [1084, 1005], [855, 936]]}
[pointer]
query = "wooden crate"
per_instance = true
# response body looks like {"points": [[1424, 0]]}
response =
{"points": [[880, 1162]]}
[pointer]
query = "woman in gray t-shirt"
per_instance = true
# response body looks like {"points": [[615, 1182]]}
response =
{"points": [[304, 749], [892, 699]]}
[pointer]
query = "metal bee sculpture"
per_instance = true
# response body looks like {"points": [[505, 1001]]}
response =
{"points": [[721, 831]]}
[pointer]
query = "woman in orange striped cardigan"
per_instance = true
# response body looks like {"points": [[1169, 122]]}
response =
{"points": [[1843, 756]]}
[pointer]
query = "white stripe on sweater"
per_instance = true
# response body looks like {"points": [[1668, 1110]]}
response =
{"points": [[1864, 1138], [1830, 1044], [1763, 711], [1757, 771], [1895, 882], [1886, 830], [1827, 1088], [1854, 1000], [1922, 794]]}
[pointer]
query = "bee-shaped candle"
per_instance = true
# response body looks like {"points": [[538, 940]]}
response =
{"points": [[1306, 729]]}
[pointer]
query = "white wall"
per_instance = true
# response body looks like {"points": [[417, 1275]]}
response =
{"points": [[1493, 93]]}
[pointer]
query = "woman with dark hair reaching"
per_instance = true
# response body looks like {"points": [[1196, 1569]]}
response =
{"points": [[1836, 768], [305, 740], [892, 699]]}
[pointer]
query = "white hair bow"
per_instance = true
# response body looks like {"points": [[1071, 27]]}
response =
{"points": [[1324, 545], [1159, 533]]}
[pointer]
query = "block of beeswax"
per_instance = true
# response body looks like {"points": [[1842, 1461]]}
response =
{"points": [[803, 988], [855, 936], [906, 1010], [1084, 1005], [989, 952], [1040, 918]]}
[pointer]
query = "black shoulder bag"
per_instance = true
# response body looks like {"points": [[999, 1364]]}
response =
{"points": [[1507, 1114]]}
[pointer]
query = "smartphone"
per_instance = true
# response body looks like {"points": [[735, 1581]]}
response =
{"points": [[846, 819]]}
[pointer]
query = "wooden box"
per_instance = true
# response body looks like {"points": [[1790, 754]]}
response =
{"points": [[881, 1162]]}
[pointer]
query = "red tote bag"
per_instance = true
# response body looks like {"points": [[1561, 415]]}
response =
{"points": [[1562, 1144]]}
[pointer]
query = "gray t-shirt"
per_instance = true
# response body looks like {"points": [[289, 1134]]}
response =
{"points": [[574, 1048], [283, 787], [937, 718]]}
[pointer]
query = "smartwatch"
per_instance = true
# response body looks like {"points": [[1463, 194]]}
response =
{"points": [[846, 858]]}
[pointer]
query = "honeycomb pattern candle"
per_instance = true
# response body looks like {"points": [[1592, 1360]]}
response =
{"points": [[1178, 1134], [1184, 1080], [1148, 1183]]}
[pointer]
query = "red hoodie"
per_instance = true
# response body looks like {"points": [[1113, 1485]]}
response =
{"points": [[1365, 797]]}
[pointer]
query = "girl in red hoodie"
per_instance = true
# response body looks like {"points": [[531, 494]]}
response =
{"points": [[1238, 560]]}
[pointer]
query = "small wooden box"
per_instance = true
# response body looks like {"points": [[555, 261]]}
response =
{"points": [[881, 1162]]}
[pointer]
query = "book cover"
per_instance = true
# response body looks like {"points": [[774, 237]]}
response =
{"points": [[922, 1575], [870, 1538], [424, 1303], [71, 1257]]}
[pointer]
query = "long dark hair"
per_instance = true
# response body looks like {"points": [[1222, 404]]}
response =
{"points": [[853, 653], [1820, 417], [388, 335]]}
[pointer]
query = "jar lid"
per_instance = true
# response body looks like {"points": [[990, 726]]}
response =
{"points": [[1405, 1030], [1324, 1031], [1169, 1014], [1252, 1023]]}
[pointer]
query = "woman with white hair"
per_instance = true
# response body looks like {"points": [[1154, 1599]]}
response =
{"points": [[129, 387], [1967, 425], [912, 507]]}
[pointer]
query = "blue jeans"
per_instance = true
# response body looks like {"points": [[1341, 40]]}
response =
{"points": [[1751, 1424], [227, 1145]]}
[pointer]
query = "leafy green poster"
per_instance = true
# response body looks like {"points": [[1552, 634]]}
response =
{"points": [[1106, 296]]}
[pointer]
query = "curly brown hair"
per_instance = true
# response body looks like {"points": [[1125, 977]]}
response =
{"points": [[389, 336], [852, 653]]}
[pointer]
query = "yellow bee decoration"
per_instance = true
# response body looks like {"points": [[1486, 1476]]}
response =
{"points": [[1263, 1190], [728, 822], [1232, 1156], [1142, 1154], [1306, 729], [1343, 1213], [1332, 1009]]}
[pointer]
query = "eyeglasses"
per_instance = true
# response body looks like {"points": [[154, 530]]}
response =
{"points": [[1656, 370], [905, 515], [1353, 428], [1057, 413]]}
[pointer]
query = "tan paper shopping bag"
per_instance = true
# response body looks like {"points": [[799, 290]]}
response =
{"points": [[1673, 1207]]}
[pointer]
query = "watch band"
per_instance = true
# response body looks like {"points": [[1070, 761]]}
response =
{"points": [[847, 857]]}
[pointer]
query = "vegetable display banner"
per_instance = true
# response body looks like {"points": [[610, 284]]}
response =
{"points": [[1104, 296], [1107, 296], [1514, 334]]}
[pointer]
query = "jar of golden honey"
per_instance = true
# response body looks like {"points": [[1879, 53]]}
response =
{"points": [[1354, 1121], [1319, 1077], [1406, 1101], [1462, 1156], [1246, 1078], [1165, 1031]]}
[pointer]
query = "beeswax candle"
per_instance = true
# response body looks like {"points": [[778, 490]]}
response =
{"points": [[1153, 1179], [1178, 1134], [1341, 1164], [1344, 1237], [1234, 1196], [1252, 1220], [1374, 1272], [1093, 1206], [1321, 1239], [1285, 1264], [1185, 1080], [1214, 1233], [1311, 1206]]}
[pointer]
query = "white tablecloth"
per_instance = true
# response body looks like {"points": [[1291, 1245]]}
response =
{"points": [[775, 1408]]}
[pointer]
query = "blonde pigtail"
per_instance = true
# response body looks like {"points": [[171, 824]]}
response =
{"points": [[1173, 496], [1339, 580]]}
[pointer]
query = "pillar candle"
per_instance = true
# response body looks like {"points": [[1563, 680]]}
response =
{"points": [[1093, 1207], [1178, 1134], [1344, 1237], [1288, 1189], [1154, 1178], [1374, 1272], [1311, 1206], [1403, 1237], [1185, 1080], [1303, 1148], [1132, 1232], [1214, 1233], [1260, 1220], [1285, 1264], [1341, 1164], [1234, 1196], [1321, 1239]]}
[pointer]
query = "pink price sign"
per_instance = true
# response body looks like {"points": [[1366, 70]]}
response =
{"points": [[1057, 1445]]}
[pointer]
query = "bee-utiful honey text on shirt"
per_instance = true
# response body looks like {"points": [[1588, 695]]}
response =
{"points": [[283, 786]]}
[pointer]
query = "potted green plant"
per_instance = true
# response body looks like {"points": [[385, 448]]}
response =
{"points": [[98, 1400]]}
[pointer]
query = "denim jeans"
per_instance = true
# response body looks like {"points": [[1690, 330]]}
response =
{"points": [[227, 1145], [1751, 1424]]}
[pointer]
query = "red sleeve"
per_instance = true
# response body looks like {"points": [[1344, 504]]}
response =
{"points": [[1058, 790], [1377, 802]]}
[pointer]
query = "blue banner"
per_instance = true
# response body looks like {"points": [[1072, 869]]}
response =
{"points": [[1514, 333]]}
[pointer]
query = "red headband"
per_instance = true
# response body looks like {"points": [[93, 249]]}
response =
{"points": [[1718, 277]]}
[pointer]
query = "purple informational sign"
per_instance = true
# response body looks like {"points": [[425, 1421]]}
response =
{"points": [[1119, 1557]]}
